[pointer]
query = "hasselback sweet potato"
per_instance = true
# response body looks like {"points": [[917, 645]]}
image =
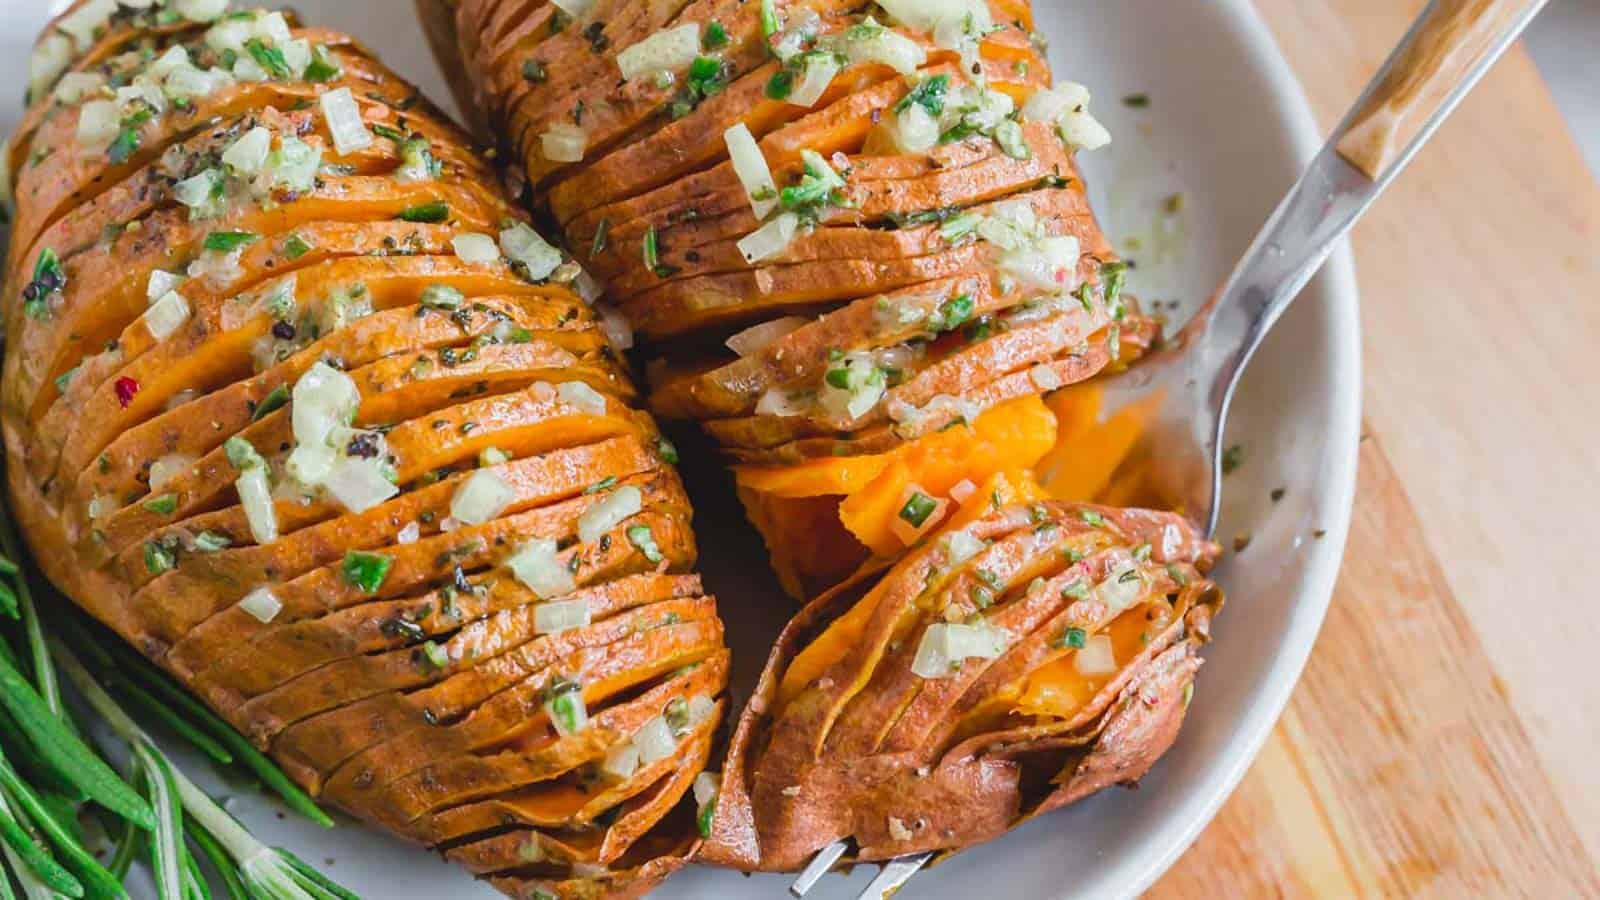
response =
{"points": [[300, 405], [880, 214]]}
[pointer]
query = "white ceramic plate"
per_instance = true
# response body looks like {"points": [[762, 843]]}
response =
{"points": [[1228, 128]]}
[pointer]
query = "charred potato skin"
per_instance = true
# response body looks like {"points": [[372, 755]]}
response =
{"points": [[418, 702]]}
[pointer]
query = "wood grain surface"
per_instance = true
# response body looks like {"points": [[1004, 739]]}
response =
{"points": [[1442, 742]]}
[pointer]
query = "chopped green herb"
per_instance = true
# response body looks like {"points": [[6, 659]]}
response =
{"points": [[242, 454], [65, 379], [603, 484], [667, 451], [716, 36], [269, 58], [229, 241], [1076, 589], [642, 537], [1093, 518], [918, 507], [429, 213], [652, 255], [1072, 638], [952, 314], [388, 131], [928, 94], [436, 655], [442, 296], [702, 820], [534, 71], [366, 570], [780, 85], [271, 403], [602, 235], [158, 558], [1136, 101], [323, 67], [164, 505], [212, 541], [1232, 459], [294, 246], [770, 23]]}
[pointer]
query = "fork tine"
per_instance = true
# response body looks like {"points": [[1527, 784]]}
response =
{"points": [[894, 875], [819, 866]]}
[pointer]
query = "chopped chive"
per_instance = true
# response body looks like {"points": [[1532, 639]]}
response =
{"points": [[271, 403], [716, 36], [164, 505], [229, 241], [534, 71], [667, 450], [429, 213], [918, 508], [269, 58], [603, 484], [158, 558], [366, 570], [294, 246], [642, 537]]}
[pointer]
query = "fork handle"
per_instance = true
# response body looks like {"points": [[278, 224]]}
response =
{"points": [[1449, 40]]}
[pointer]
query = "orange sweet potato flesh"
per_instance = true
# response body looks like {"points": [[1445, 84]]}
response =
{"points": [[430, 681]]}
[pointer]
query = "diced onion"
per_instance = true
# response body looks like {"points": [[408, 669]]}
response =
{"points": [[481, 498], [668, 50], [294, 165], [961, 545], [655, 741], [1051, 104], [272, 28], [962, 491], [161, 281], [889, 48], [926, 15], [188, 83], [819, 71], [477, 249], [524, 245], [945, 644], [200, 10], [770, 239], [622, 761], [1121, 589], [756, 338], [915, 130], [409, 534], [1083, 131], [171, 61], [751, 166], [196, 192], [83, 22], [780, 403], [585, 398], [537, 565], [98, 124], [168, 467], [324, 399], [296, 55], [1095, 657], [49, 59], [561, 615], [248, 154], [255, 495], [706, 786], [1051, 264], [619, 505], [345, 124], [616, 327], [1044, 377], [262, 605], [701, 708], [564, 142], [358, 484], [166, 315], [74, 86], [101, 505]]}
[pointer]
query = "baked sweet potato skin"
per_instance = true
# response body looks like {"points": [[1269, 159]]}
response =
{"points": [[814, 758], [500, 602]]}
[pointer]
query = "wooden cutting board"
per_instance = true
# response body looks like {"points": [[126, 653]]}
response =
{"points": [[1441, 741]]}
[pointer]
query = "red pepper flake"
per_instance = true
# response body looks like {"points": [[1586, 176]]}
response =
{"points": [[127, 388]]}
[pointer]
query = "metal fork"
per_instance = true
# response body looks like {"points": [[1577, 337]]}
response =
{"points": [[1189, 385]]}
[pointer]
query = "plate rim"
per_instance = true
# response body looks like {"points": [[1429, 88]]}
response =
{"points": [[1337, 282]]}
